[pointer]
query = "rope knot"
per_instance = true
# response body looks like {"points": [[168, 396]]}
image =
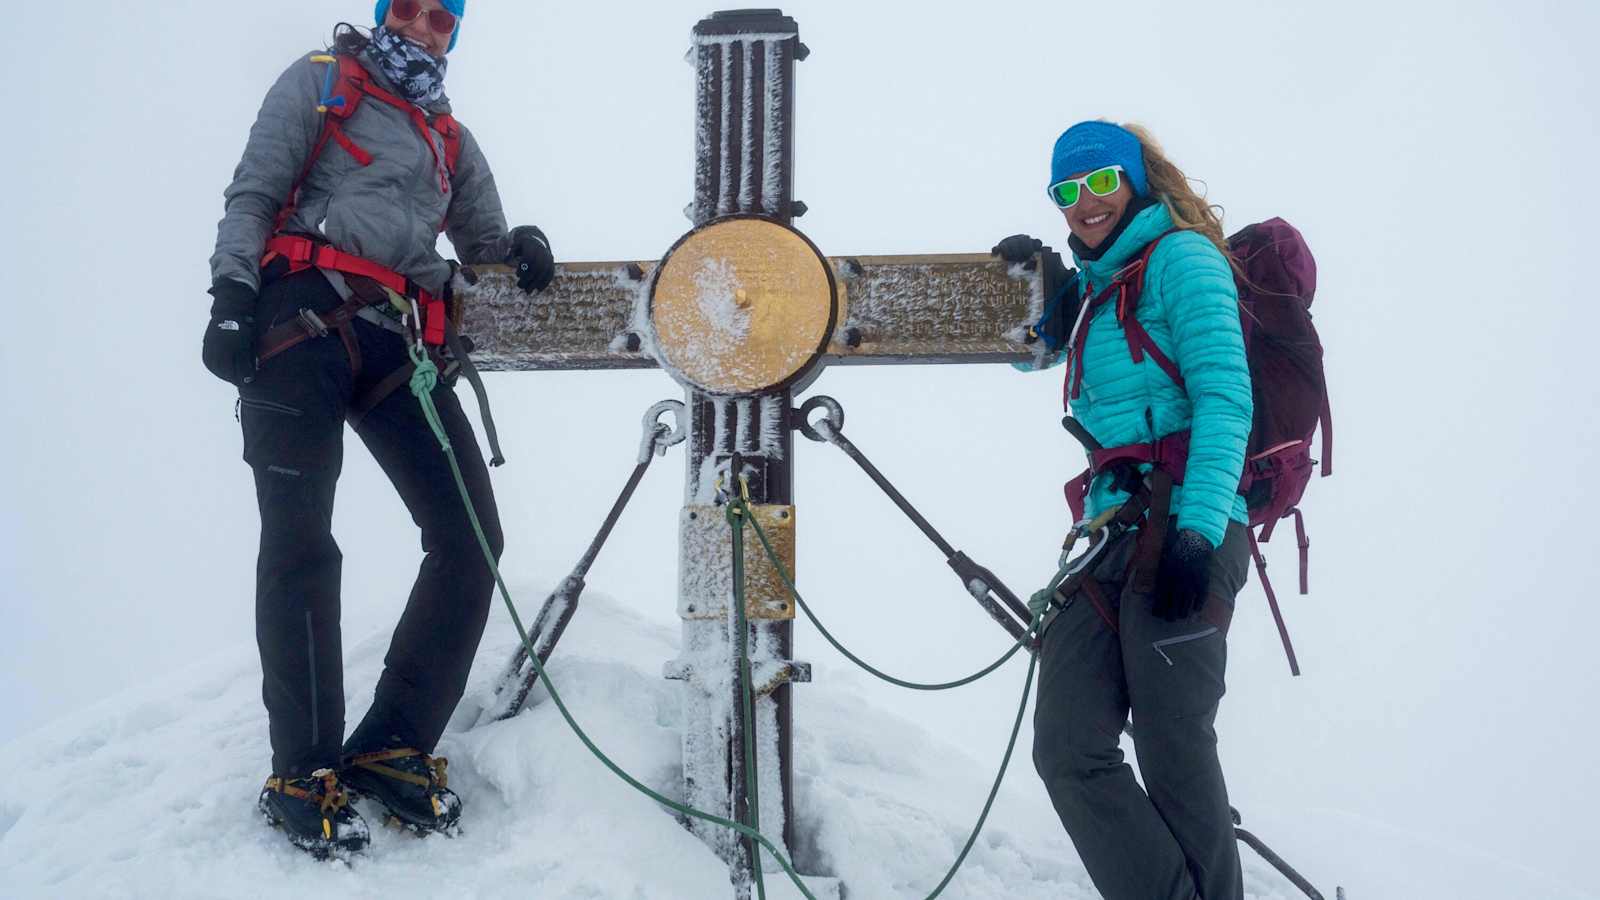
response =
{"points": [[426, 376]]}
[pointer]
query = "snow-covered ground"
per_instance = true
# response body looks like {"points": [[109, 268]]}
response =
{"points": [[151, 793]]}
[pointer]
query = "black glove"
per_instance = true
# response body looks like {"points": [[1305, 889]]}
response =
{"points": [[1059, 281], [229, 347], [530, 255], [1017, 248], [1184, 575]]}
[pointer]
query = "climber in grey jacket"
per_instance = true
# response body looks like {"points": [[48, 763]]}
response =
{"points": [[325, 271]]}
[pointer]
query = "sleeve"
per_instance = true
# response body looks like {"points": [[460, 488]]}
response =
{"points": [[1202, 312], [476, 222], [281, 140]]}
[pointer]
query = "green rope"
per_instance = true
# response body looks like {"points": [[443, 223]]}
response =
{"points": [[805, 607], [421, 386], [736, 515], [1016, 726], [423, 382]]}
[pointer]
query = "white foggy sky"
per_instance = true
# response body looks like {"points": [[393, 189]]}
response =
{"points": [[1436, 155]]}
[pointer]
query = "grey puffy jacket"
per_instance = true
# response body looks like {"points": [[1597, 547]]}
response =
{"points": [[388, 212]]}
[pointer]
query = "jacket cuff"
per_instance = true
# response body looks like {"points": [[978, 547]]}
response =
{"points": [[232, 298]]}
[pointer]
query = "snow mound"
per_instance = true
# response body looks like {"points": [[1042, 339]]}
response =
{"points": [[151, 793]]}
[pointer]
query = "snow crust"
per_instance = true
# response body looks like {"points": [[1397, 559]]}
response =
{"points": [[151, 793], [744, 37], [717, 286]]}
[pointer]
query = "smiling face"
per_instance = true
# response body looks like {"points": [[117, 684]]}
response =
{"points": [[1092, 218], [417, 30]]}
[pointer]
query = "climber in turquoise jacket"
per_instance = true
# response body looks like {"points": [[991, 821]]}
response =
{"points": [[1190, 308], [1109, 647]]}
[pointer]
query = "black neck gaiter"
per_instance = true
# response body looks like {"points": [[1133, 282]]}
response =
{"points": [[1135, 206]]}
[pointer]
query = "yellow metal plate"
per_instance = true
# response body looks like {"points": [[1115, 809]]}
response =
{"points": [[705, 574], [743, 305]]}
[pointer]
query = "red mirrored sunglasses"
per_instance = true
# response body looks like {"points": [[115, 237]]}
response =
{"points": [[442, 21]]}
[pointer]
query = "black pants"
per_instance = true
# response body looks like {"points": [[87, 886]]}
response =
{"points": [[1172, 839], [293, 417]]}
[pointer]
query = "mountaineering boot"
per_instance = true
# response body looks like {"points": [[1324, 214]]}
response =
{"points": [[315, 814], [410, 784]]}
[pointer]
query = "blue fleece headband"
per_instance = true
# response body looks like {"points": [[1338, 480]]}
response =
{"points": [[459, 7], [1087, 146]]}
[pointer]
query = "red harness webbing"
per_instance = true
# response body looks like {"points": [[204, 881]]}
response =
{"points": [[303, 253], [354, 83]]}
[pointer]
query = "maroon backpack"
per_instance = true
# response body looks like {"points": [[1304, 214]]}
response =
{"points": [[1276, 278]]}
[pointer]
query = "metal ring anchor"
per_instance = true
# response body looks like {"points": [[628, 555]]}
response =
{"points": [[657, 436], [835, 420]]}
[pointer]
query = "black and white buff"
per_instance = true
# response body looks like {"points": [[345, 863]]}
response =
{"points": [[415, 73]]}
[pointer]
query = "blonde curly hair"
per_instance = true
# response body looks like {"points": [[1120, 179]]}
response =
{"points": [[1168, 184]]}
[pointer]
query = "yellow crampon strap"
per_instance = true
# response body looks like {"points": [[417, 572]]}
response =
{"points": [[438, 768], [329, 799]]}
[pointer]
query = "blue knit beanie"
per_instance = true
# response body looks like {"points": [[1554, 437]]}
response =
{"points": [[459, 7], [1092, 145]]}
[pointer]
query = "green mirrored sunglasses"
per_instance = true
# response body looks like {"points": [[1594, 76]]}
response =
{"points": [[1100, 182]]}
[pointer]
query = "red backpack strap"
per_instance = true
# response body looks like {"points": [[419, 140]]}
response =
{"points": [[341, 94], [450, 135], [419, 119], [449, 131], [345, 92], [341, 101]]}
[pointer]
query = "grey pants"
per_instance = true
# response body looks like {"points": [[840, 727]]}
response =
{"points": [[1172, 839]]}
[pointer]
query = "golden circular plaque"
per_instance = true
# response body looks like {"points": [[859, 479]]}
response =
{"points": [[742, 305]]}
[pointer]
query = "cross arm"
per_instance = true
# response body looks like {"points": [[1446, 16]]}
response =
{"points": [[944, 308], [583, 320]]}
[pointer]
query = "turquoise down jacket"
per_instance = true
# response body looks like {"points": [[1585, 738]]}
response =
{"points": [[1190, 307]]}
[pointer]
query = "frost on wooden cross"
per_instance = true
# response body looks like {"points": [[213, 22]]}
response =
{"points": [[743, 311]]}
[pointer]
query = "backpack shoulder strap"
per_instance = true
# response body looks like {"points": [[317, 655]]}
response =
{"points": [[1130, 287], [450, 134], [346, 85], [341, 94]]}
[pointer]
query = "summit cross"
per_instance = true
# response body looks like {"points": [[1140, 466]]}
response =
{"points": [[744, 312]]}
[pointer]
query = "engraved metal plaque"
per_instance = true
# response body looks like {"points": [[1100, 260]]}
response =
{"points": [[741, 306], [583, 320], [947, 308]]}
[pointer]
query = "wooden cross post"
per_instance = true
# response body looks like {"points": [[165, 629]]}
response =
{"points": [[744, 311]]}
